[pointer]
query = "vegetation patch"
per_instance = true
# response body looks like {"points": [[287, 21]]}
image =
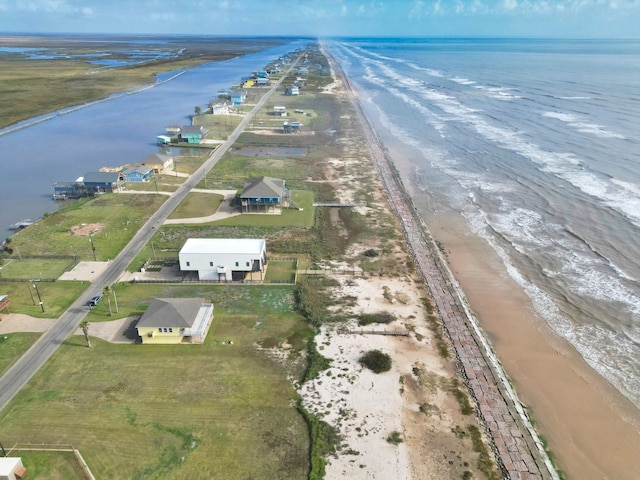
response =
{"points": [[376, 361], [379, 317]]}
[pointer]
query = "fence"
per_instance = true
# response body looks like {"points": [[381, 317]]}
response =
{"points": [[56, 447]]}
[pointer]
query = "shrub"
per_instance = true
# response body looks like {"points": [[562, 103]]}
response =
{"points": [[371, 253], [376, 361], [380, 317], [395, 438]]}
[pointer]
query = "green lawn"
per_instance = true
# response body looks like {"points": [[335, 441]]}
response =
{"points": [[50, 465], [56, 296], [34, 267], [197, 204], [12, 346], [185, 411], [281, 271], [289, 218], [120, 215]]}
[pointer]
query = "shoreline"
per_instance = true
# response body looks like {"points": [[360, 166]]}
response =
{"points": [[593, 430], [514, 441]]}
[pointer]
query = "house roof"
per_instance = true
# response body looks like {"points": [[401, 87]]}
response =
{"points": [[156, 158], [8, 465], [171, 312], [142, 169], [190, 130], [102, 177], [263, 187], [224, 245]]}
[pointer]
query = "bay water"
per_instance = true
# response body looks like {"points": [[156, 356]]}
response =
{"points": [[62, 146]]}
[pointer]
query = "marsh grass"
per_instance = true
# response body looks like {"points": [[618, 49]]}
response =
{"points": [[34, 87]]}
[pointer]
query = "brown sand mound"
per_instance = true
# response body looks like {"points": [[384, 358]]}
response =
{"points": [[86, 229]]}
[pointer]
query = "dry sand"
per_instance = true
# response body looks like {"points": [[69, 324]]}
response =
{"points": [[367, 408]]}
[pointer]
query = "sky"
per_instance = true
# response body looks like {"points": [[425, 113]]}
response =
{"points": [[318, 18]]}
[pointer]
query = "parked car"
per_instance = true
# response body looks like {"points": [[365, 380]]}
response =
{"points": [[93, 301]]}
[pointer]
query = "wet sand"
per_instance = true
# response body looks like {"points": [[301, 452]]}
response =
{"points": [[592, 430]]}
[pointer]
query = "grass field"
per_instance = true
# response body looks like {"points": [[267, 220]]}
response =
{"points": [[185, 411], [28, 268], [120, 215], [56, 296], [50, 465], [198, 204], [12, 346]]}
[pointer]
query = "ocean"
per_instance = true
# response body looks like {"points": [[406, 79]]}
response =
{"points": [[536, 144]]}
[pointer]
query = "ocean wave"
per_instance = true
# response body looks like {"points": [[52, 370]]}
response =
{"points": [[612, 354], [564, 165], [575, 122]]}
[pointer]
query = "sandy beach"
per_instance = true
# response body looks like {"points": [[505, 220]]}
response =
{"points": [[591, 428]]}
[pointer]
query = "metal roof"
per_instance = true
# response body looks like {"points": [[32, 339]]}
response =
{"points": [[224, 245]]}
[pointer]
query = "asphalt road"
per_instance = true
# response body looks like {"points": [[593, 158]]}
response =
{"points": [[22, 371]]}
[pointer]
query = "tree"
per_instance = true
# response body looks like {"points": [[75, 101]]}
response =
{"points": [[198, 110], [106, 291], [85, 329]]}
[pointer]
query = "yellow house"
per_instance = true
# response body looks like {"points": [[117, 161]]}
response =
{"points": [[175, 320]]}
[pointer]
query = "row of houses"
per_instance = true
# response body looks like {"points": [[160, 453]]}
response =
{"points": [[189, 134], [95, 183]]}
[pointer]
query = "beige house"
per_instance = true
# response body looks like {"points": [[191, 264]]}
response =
{"points": [[176, 320], [159, 163], [11, 468]]}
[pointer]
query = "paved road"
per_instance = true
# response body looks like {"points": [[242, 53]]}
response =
{"points": [[47, 344]]}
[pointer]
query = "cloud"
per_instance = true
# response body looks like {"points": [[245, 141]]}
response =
{"points": [[416, 11]]}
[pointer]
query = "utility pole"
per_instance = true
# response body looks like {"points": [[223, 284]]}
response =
{"points": [[93, 248], [115, 299], [39, 298]]}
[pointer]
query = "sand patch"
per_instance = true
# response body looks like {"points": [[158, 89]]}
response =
{"points": [[86, 229]]}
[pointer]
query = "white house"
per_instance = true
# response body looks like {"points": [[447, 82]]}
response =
{"points": [[225, 259]]}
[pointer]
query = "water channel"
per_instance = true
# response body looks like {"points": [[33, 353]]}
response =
{"points": [[114, 132]]}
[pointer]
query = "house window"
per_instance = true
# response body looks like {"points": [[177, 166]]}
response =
{"points": [[237, 264], [170, 329], [211, 264], [188, 264], [247, 264]]}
